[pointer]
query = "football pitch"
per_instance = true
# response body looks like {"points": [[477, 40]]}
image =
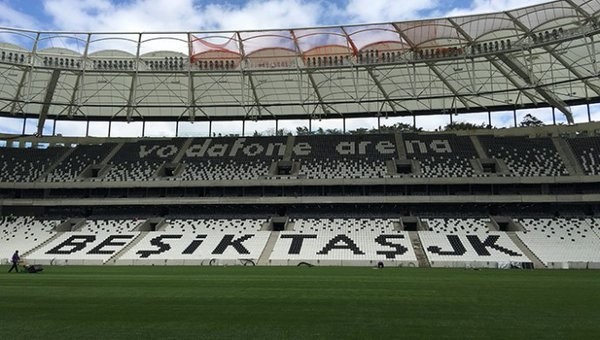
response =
{"points": [[297, 303]]}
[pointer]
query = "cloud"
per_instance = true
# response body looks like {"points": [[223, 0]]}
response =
{"points": [[487, 6], [179, 15], [130, 16], [10, 17], [373, 11], [263, 15]]}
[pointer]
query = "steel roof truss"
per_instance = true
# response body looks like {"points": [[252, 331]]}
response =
{"points": [[18, 101], [50, 88], [493, 63], [560, 59]]}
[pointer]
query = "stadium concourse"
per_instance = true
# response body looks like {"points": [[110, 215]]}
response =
{"points": [[403, 199], [524, 197]]}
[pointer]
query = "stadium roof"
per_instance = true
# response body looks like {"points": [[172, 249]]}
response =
{"points": [[539, 56]]}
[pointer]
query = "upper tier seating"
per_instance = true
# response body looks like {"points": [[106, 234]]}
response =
{"points": [[212, 159], [346, 156], [587, 151], [26, 164], [441, 155], [368, 156], [140, 161], [23, 234], [84, 155], [453, 225], [526, 156], [558, 241]]}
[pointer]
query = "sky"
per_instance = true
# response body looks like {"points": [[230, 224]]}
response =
{"points": [[190, 15], [196, 15]]}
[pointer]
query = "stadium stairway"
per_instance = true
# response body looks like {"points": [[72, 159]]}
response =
{"points": [[263, 260], [111, 154], [290, 142], [568, 157], [400, 147], [113, 259], [182, 151], [31, 251], [418, 248], [56, 163], [525, 250], [478, 148]]}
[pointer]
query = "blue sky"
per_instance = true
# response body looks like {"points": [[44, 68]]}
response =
{"points": [[190, 15]]}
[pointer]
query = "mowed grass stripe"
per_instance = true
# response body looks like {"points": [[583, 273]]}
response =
{"points": [[297, 303]]}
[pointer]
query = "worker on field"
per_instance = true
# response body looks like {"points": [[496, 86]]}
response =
{"points": [[15, 262]]}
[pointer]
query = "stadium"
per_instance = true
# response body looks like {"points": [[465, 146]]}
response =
{"points": [[300, 152]]}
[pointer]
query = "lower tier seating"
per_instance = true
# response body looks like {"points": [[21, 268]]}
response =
{"points": [[470, 249], [185, 248], [23, 234], [203, 226], [343, 248], [81, 248], [560, 242], [449, 225], [450, 242]]}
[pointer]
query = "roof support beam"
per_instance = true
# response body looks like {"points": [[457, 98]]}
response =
{"points": [[381, 89], [309, 75], [191, 88], [560, 59], [249, 75], [448, 85], [313, 83], [551, 98], [581, 11], [132, 101], [79, 81], [494, 63], [47, 100], [17, 101], [26, 78], [521, 71], [434, 69], [254, 95]]}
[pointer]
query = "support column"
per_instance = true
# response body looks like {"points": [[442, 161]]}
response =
{"points": [[553, 116], [515, 117], [589, 114]]}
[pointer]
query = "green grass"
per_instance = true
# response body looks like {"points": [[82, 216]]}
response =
{"points": [[297, 303]]}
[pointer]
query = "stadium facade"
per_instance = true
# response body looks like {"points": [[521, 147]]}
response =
{"points": [[484, 198]]}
